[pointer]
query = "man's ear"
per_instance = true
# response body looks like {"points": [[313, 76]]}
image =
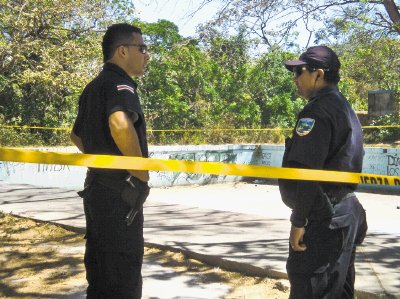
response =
{"points": [[120, 51], [320, 73]]}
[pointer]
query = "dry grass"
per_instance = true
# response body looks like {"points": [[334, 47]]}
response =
{"points": [[41, 260]]}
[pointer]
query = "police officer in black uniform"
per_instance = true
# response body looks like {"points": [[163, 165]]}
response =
{"points": [[110, 121], [327, 219]]}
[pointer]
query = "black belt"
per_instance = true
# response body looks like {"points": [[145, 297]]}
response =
{"points": [[115, 184], [337, 199]]}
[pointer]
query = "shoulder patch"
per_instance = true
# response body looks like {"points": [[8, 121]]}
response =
{"points": [[125, 87], [304, 126]]}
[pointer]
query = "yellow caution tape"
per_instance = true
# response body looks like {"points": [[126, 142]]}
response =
{"points": [[219, 130], [216, 168], [35, 127], [381, 127], [189, 130], [150, 130]]}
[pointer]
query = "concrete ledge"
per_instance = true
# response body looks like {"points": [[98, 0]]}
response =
{"points": [[250, 270], [226, 264]]}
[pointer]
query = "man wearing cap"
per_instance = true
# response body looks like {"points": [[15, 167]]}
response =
{"points": [[327, 219]]}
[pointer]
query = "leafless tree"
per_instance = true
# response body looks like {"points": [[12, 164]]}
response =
{"points": [[274, 21]]}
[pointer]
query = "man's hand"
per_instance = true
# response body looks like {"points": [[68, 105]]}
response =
{"points": [[296, 237], [134, 194]]}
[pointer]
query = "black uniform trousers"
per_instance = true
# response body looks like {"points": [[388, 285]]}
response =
{"points": [[114, 251], [326, 269]]}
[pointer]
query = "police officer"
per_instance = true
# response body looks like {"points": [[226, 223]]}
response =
{"points": [[110, 121], [327, 219]]}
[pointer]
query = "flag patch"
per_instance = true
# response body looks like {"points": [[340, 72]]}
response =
{"points": [[304, 126], [126, 87]]}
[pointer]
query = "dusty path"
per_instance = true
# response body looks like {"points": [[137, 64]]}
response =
{"points": [[41, 260]]}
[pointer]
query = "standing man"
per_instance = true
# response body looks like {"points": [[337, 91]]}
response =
{"points": [[110, 121], [327, 219]]}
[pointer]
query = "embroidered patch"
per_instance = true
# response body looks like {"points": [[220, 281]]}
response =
{"points": [[126, 87], [304, 126]]}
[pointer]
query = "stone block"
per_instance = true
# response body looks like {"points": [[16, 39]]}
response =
{"points": [[381, 102]]}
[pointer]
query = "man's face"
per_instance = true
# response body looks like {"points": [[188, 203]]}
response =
{"points": [[135, 59], [305, 80]]}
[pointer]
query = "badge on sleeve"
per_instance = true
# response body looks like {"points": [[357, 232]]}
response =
{"points": [[125, 87], [304, 126]]}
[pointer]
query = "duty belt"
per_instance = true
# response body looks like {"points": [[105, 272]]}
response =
{"points": [[114, 184], [335, 199]]}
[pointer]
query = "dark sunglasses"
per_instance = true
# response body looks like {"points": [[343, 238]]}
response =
{"points": [[142, 48], [298, 70]]}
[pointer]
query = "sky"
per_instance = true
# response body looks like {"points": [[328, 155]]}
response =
{"points": [[178, 11]]}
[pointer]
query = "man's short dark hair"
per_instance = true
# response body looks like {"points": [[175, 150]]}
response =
{"points": [[115, 35]]}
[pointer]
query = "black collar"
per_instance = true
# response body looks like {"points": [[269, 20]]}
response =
{"points": [[108, 66], [325, 90]]}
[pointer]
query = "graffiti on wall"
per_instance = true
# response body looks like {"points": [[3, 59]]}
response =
{"points": [[382, 163], [376, 161], [178, 178], [393, 165], [266, 159], [261, 157], [10, 167], [52, 168], [13, 167]]}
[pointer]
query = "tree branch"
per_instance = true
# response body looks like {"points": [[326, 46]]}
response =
{"points": [[394, 14]]}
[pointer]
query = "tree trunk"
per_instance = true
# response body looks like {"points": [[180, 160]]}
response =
{"points": [[394, 14]]}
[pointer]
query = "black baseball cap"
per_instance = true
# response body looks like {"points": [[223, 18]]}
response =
{"points": [[321, 57]]}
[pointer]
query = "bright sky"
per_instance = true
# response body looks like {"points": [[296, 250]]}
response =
{"points": [[176, 11]]}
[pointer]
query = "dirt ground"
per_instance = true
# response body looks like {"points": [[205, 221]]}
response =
{"points": [[38, 259]]}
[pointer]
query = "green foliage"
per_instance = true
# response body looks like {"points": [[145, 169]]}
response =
{"points": [[186, 87], [49, 50], [272, 88], [380, 135], [161, 35], [230, 62], [211, 84], [174, 86], [368, 64]]}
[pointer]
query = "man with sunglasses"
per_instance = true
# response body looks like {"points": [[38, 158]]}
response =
{"points": [[327, 219], [110, 121]]}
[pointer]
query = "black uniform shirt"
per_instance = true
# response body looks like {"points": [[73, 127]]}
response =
{"points": [[328, 136], [112, 90]]}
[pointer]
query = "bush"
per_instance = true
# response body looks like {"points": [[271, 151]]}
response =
{"points": [[386, 134]]}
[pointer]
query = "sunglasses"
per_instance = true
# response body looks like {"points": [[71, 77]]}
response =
{"points": [[298, 70], [142, 48]]}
